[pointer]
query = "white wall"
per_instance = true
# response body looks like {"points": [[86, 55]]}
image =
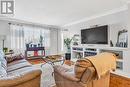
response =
{"points": [[114, 28], [104, 20], [4, 30], [127, 54], [116, 22]]}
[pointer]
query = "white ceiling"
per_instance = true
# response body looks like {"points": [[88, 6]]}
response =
{"points": [[62, 12]]}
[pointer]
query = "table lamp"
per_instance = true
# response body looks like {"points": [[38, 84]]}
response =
{"points": [[3, 38]]}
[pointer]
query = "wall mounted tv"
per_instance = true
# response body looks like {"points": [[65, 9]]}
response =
{"points": [[96, 35]]}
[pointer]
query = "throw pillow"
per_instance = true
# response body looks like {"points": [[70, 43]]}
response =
{"points": [[3, 72], [2, 53], [11, 58], [2, 59], [4, 64]]}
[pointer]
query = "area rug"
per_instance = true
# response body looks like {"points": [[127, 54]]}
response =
{"points": [[36, 61]]}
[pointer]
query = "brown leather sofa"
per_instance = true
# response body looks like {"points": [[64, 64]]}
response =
{"points": [[21, 73], [65, 77]]}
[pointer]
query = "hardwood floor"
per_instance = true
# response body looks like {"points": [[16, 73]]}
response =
{"points": [[119, 81]]}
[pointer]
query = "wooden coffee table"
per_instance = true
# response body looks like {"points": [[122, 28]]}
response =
{"points": [[69, 62], [53, 59]]}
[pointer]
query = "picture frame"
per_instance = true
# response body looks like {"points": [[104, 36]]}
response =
{"points": [[122, 39]]}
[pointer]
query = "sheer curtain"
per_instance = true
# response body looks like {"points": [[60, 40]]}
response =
{"points": [[20, 35], [17, 37]]}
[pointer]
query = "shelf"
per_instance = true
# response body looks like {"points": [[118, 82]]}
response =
{"points": [[119, 60], [104, 47], [77, 51], [35, 48], [91, 51], [115, 48], [121, 73]]}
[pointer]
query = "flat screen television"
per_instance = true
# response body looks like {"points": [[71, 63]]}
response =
{"points": [[97, 35]]}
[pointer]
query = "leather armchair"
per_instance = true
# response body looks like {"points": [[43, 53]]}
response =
{"points": [[30, 79], [66, 78], [20, 73]]}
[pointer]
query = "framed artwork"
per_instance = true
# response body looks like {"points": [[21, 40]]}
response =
{"points": [[122, 39]]}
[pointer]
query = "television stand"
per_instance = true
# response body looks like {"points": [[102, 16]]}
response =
{"points": [[79, 52]]}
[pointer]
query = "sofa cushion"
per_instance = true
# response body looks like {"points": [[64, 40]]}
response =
{"points": [[59, 68], [80, 67], [18, 66], [3, 72], [16, 62], [22, 71], [30, 79], [66, 72]]}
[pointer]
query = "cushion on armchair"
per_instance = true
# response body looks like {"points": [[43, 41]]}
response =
{"points": [[66, 72], [80, 67]]}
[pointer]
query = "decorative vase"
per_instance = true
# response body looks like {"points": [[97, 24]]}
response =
{"points": [[68, 56], [39, 45], [27, 45]]}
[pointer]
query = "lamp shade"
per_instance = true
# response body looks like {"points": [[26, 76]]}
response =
{"points": [[2, 37]]}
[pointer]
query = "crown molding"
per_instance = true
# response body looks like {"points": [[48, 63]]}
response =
{"points": [[123, 8], [15, 20]]}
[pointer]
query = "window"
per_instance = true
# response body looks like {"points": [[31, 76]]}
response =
{"points": [[20, 35]]}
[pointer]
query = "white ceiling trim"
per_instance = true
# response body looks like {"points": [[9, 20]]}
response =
{"points": [[123, 8], [14, 20]]}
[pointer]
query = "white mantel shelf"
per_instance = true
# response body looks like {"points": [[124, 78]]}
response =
{"points": [[104, 47], [121, 73]]}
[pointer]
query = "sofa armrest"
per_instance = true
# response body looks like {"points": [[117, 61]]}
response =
{"points": [[88, 75], [13, 81]]}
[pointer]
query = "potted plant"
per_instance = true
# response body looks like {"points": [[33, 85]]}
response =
{"points": [[67, 43]]}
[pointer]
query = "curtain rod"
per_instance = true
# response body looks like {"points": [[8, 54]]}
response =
{"points": [[28, 25], [33, 25], [15, 24]]}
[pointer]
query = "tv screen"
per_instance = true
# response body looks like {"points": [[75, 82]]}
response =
{"points": [[97, 35]]}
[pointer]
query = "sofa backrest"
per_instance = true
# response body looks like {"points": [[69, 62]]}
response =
{"points": [[81, 66]]}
